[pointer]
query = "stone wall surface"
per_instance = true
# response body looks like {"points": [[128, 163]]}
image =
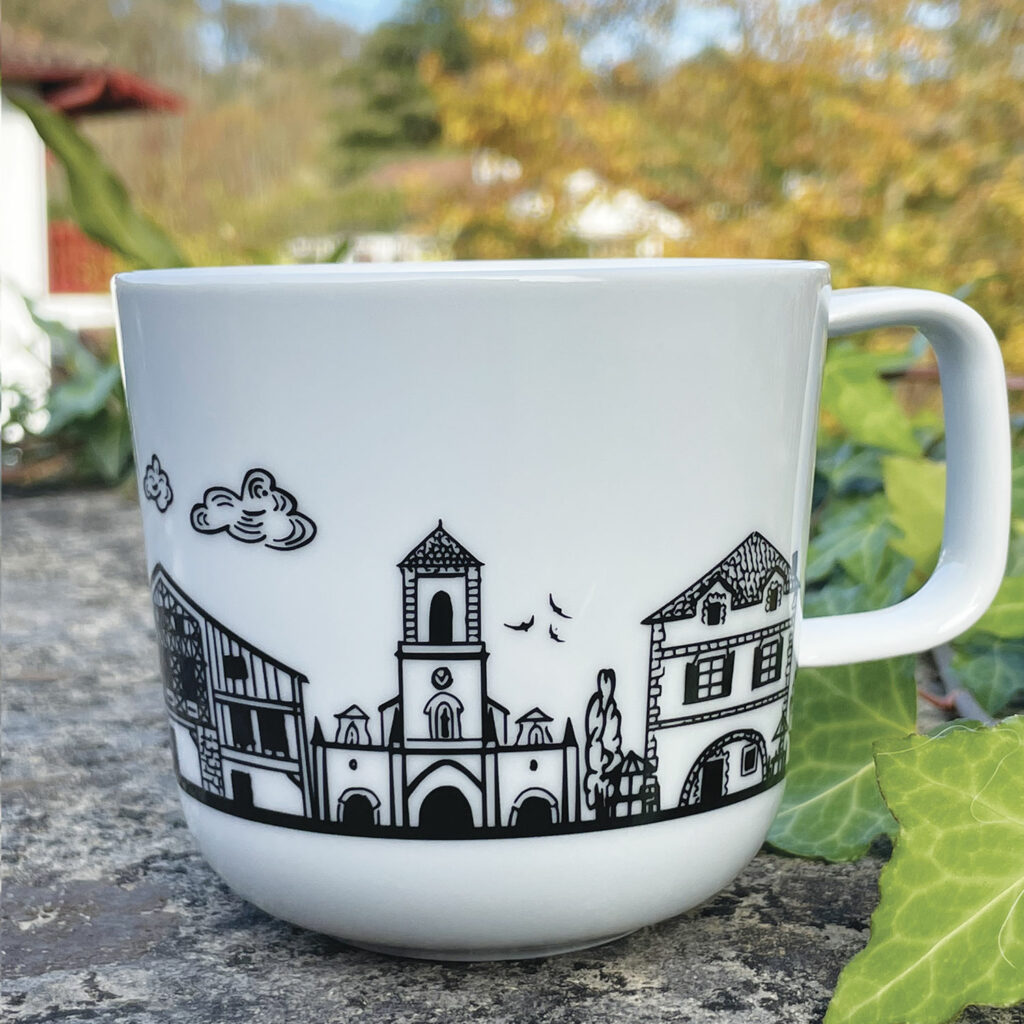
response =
{"points": [[109, 913]]}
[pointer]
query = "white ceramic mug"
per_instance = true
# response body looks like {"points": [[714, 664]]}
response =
{"points": [[477, 585]]}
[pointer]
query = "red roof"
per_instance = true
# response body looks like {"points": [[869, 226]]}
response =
{"points": [[76, 83]]}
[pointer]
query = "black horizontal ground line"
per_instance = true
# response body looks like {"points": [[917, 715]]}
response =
{"points": [[301, 824]]}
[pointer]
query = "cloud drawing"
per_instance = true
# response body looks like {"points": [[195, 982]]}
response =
{"points": [[262, 513], [156, 485]]}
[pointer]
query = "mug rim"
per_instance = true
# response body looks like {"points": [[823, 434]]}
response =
{"points": [[493, 270]]}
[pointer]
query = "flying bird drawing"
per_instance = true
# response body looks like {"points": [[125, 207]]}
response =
{"points": [[554, 636], [523, 627], [555, 608]]}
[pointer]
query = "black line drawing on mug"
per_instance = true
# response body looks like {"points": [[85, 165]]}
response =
{"points": [[726, 637], [156, 485], [438, 758], [554, 636], [523, 627], [554, 607], [260, 513]]}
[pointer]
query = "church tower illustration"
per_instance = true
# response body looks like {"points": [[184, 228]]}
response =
{"points": [[445, 764], [442, 707], [442, 661]]}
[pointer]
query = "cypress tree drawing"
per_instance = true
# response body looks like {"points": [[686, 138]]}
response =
{"points": [[603, 749]]}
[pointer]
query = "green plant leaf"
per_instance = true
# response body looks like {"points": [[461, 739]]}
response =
{"points": [[841, 593], [832, 807], [1015, 557], [949, 928], [80, 398], [916, 491], [850, 469], [66, 349], [1017, 483], [109, 448], [862, 402], [992, 669], [100, 201], [854, 534], [1005, 616]]}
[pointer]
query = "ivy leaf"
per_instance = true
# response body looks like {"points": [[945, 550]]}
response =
{"points": [[949, 928], [992, 669], [832, 807], [851, 469], [864, 405], [916, 491], [843, 593], [1015, 558], [853, 534], [1005, 616], [1017, 483]]}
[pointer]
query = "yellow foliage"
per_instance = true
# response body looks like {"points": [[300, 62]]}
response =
{"points": [[855, 131]]}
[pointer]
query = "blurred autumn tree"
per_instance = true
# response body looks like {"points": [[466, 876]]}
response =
{"points": [[387, 107], [885, 137]]}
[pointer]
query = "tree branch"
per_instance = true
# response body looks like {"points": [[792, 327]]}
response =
{"points": [[954, 697]]}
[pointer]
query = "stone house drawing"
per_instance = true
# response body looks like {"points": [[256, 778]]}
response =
{"points": [[721, 661]]}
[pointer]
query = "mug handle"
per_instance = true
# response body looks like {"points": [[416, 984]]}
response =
{"points": [[975, 532]]}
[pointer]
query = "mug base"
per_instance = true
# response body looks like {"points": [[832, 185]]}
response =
{"points": [[483, 899], [483, 955]]}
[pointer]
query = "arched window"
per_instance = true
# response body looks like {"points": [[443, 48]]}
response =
{"points": [[536, 735], [444, 716], [441, 615], [773, 597], [351, 735], [713, 610], [444, 722]]}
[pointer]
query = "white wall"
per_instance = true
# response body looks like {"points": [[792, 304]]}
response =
{"points": [[24, 271], [188, 754]]}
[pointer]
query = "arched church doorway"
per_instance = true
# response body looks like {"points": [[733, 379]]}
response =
{"points": [[358, 810], [445, 812], [441, 615], [534, 814]]}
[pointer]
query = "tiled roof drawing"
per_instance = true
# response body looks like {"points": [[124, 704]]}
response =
{"points": [[439, 550], [743, 573]]}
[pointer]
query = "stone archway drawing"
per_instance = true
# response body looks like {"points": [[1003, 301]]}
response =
{"points": [[534, 811], [446, 812], [733, 763], [358, 809]]}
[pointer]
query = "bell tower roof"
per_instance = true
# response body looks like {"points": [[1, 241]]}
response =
{"points": [[439, 550]]}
